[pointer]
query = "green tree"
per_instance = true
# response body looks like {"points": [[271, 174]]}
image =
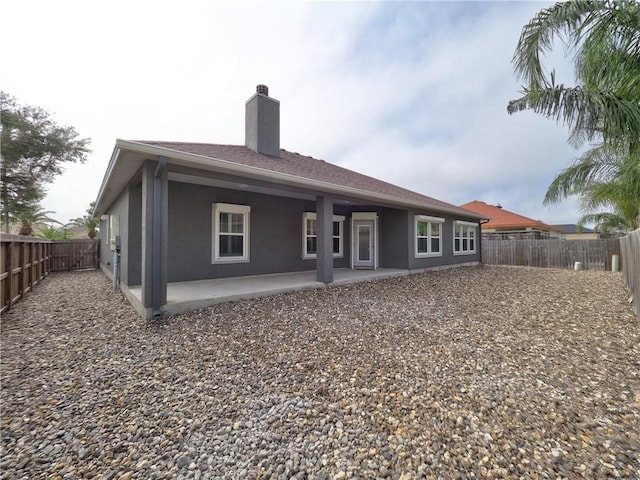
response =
{"points": [[604, 37], [28, 216], [51, 232], [605, 179], [604, 106], [34, 149], [87, 221]]}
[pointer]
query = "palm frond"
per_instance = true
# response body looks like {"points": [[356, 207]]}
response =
{"points": [[605, 37], [538, 35], [590, 112], [595, 165], [604, 221], [609, 67]]}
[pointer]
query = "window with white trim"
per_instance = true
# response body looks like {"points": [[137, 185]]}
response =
{"points": [[114, 230], [310, 235], [428, 232], [464, 237], [230, 233]]}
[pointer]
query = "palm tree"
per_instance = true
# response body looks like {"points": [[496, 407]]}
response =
{"points": [[88, 222], [605, 36], [28, 216], [604, 178], [622, 207], [53, 233], [603, 107], [606, 223]]}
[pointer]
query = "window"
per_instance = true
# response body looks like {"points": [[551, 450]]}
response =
{"points": [[428, 236], [114, 230], [310, 235], [464, 238], [230, 233]]}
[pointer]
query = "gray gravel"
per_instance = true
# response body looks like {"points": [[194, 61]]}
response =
{"points": [[480, 372]]}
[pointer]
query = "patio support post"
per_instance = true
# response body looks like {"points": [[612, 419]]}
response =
{"points": [[154, 234], [479, 242], [324, 257]]}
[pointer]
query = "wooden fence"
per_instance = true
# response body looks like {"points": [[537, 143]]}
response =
{"points": [[555, 253], [630, 252], [79, 254], [25, 261]]}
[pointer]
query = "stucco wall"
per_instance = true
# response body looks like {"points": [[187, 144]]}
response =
{"points": [[121, 208], [275, 233], [105, 252], [447, 258], [134, 237], [392, 229], [128, 207]]}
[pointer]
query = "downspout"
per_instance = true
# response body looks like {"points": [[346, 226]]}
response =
{"points": [[482, 222], [156, 253]]}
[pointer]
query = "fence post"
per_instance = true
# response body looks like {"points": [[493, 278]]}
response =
{"points": [[630, 250], [47, 258], [9, 285], [615, 262], [21, 272]]}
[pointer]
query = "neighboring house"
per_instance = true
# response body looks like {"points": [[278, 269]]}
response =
{"points": [[504, 224], [183, 212], [577, 232]]}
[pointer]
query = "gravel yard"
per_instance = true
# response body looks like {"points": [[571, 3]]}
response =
{"points": [[478, 372]]}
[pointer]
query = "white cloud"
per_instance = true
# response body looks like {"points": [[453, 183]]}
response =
{"points": [[413, 93]]}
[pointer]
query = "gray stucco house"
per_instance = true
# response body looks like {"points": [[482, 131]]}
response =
{"points": [[181, 212]]}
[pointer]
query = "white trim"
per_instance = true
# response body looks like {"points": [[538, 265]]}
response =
{"points": [[106, 232], [468, 224], [358, 216], [313, 216], [218, 208], [428, 220], [114, 230], [364, 216]]}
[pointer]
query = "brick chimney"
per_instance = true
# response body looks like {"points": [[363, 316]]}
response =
{"points": [[262, 123]]}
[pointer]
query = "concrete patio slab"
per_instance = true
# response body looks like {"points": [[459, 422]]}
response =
{"points": [[186, 296]]}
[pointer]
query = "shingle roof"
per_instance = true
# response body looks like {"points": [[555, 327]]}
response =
{"points": [[573, 228], [501, 218], [305, 167]]}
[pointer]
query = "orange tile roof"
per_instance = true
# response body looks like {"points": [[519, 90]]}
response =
{"points": [[499, 218]]}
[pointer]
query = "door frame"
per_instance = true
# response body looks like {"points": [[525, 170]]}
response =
{"points": [[364, 216]]}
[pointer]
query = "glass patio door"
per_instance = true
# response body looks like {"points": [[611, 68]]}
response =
{"points": [[364, 244]]}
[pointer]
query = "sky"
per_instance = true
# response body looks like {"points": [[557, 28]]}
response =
{"points": [[413, 93]]}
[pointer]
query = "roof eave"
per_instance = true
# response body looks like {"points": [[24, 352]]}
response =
{"points": [[522, 225], [98, 208], [208, 162]]}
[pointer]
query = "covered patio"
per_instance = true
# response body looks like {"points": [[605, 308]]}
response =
{"points": [[185, 296]]}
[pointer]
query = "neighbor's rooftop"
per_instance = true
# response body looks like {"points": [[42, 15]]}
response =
{"points": [[501, 218]]}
